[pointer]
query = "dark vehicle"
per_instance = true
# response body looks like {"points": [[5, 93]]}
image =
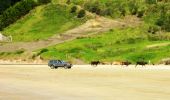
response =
{"points": [[59, 63]]}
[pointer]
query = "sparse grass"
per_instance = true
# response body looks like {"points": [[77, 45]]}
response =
{"points": [[42, 23], [8, 55]]}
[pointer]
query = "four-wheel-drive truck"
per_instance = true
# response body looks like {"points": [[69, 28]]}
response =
{"points": [[59, 63]]}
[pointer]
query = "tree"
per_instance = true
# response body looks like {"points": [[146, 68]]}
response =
{"points": [[5, 4], [13, 13]]}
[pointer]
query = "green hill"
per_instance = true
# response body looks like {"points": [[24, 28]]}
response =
{"points": [[128, 44], [149, 39], [42, 23]]}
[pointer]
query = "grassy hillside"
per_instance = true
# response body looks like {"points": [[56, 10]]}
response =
{"points": [[149, 40], [154, 12], [128, 44], [43, 22]]}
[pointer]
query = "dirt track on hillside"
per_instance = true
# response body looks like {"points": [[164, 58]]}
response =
{"points": [[38, 82]]}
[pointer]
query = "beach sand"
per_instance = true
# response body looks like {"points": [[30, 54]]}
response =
{"points": [[84, 82]]}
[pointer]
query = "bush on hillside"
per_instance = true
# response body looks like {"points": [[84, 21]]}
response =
{"points": [[39, 53], [81, 13], [108, 11], [4, 4], [151, 1], [112, 8], [141, 11], [21, 51], [133, 7], [122, 11], [94, 7], [164, 20], [167, 23], [43, 51], [68, 1], [73, 9], [44, 1], [153, 29]]}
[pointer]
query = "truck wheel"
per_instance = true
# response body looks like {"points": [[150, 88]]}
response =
{"points": [[66, 67], [52, 67], [56, 67]]}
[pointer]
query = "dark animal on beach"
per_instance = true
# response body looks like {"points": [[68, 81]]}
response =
{"points": [[95, 63], [143, 63], [167, 63], [127, 63]]}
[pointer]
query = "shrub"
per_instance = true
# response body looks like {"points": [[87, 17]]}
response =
{"points": [[164, 22], [140, 13], [153, 29], [4, 4], [68, 1], [122, 9], [164, 16], [160, 22], [44, 1], [73, 9], [133, 7], [39, 53], [19, 51], [81, 13], [108, 11], [167, 23], [151, 1], [42, 51], [94, 7]]}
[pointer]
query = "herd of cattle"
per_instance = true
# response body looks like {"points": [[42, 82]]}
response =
{"points": [[123, 63]]}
